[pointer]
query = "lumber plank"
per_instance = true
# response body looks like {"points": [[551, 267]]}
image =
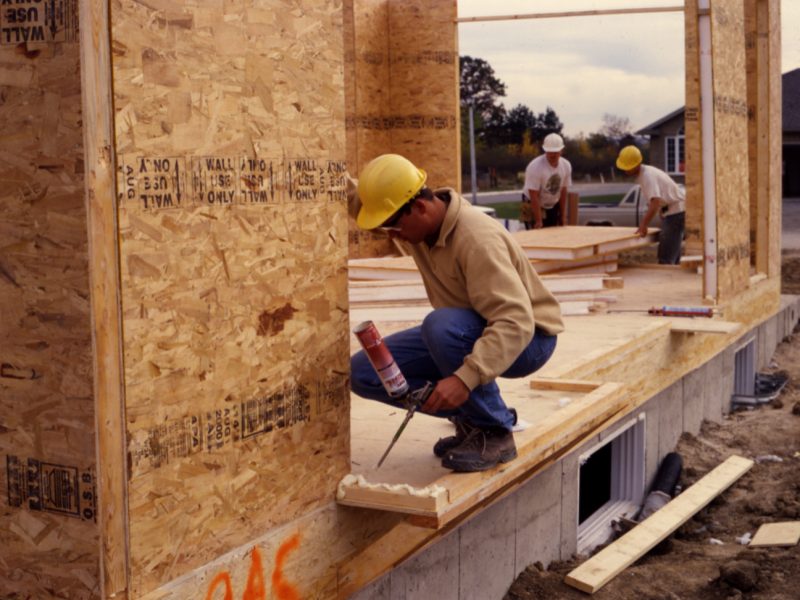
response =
{"points": [[577, 242], [565, 385], [106, 298], [786, 533], [703, 325], [613, 559], [593, 404]]}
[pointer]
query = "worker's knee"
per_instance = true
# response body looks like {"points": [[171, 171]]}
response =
{"points": [[446, 324], [363, 380]]}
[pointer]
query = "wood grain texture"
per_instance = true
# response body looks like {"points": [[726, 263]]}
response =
{"points": [[730, 137], [616, 557], [229, 131], [101, 211], [48, 531]]}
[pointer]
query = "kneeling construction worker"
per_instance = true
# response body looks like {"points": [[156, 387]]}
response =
{"points": [[492, 317]]}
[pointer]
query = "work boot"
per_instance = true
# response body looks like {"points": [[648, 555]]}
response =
{"points": [[444, 444], [481, 450]]}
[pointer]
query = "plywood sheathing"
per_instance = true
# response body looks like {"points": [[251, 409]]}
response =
{"points": [[424, 87], [730, 140], [771, 27], [403, 97], [48, 531], [232, 224], [692, 141], [762, 20], [367, 102]]}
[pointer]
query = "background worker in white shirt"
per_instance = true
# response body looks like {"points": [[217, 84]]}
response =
{"points": [[663, 197], [547, 179]]}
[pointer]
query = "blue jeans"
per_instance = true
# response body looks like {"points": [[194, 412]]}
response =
{"points": [[435, 349], [670, 239]]}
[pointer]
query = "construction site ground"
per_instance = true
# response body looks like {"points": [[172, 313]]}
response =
{"points": [[703, 559]]}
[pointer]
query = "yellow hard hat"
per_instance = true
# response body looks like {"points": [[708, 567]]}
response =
{"points": [[385, 185], [629, 158]]}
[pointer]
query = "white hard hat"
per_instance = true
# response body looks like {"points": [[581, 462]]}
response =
{"points": [[553, 143]]}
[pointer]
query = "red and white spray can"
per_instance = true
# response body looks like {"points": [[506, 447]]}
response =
{"points": [[381, 359]]}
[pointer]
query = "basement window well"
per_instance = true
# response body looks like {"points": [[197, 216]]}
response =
{"points": [[610, 484]]}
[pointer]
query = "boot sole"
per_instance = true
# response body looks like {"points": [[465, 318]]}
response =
{"points": [[480, 465]]}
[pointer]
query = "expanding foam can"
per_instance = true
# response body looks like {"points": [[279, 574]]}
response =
{"points": [[381, 359]]}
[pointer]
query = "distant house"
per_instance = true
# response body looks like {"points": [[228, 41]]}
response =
{"points": [[667, 144], [667, 138]]}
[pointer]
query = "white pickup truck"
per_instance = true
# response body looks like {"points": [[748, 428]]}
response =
{"points": [[627, 212]]}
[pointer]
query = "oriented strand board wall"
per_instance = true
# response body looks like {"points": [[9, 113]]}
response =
{"points": [[762, 23], [730, 139], [424, 87], [693, 141], [233, 239], [368, 107], [770, 26], [48, 530], [404, 96]]}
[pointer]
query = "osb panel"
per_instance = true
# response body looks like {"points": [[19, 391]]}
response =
{"points": [[48, 532], [368, 108], [730, 138], [755, 132], [762, 22], [693, 141], [404, 98], [424, 87], [298, 560], [775, 177], [230, 141]]}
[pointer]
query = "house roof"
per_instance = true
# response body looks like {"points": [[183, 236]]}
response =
{"points": [[791, 101], [790, 105], [655, 126]]}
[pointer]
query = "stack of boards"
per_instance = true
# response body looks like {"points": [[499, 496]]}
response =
{"points": [[575, 263]]}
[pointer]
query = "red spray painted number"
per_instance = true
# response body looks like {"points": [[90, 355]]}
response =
{"points": [[283, 590], [256, 589]]}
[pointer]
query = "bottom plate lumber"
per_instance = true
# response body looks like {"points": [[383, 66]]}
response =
{"points": [[616, 557]]}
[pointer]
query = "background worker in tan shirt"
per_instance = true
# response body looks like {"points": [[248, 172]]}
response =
{"points": [[492, 314]]}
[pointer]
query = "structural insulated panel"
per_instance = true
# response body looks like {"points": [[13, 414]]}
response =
{"points": [[230, 149]]}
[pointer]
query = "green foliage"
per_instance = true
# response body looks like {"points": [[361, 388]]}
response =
{"points": [[508, 140]]}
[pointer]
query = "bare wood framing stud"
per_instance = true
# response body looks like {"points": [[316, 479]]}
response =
{"points": [[573, 13]]}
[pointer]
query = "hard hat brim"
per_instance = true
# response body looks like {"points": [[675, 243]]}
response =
{"points": [[373, 219]]}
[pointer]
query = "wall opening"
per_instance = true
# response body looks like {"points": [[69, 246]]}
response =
{"points": [[744, 369], [610, 484]]}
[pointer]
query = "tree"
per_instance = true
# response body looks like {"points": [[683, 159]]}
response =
{"points": [[547, 122], [615, 127], [512, 128], [479, 87]]}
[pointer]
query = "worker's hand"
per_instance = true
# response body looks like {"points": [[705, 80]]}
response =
{"points": [[642, 231], [450, 393], [538, 225]]}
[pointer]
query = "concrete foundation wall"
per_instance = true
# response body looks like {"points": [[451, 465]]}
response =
{"points": [[539, 522]]}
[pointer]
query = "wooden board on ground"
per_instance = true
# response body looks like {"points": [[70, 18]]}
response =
{"points": [[576, 242], [616, 557], [777, 534]]}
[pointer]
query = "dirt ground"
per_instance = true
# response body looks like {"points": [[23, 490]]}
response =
{"points": [[689, 566]]}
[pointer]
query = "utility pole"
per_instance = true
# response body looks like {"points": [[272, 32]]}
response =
{"points": [[474, 173]]}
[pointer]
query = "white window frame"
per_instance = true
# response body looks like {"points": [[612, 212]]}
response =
{"points": [[678, 141]]}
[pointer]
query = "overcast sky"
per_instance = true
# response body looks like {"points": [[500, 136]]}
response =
{"points": [[626, 65]]}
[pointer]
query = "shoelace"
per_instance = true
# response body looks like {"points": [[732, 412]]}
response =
{"points": [[470, 442]]}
